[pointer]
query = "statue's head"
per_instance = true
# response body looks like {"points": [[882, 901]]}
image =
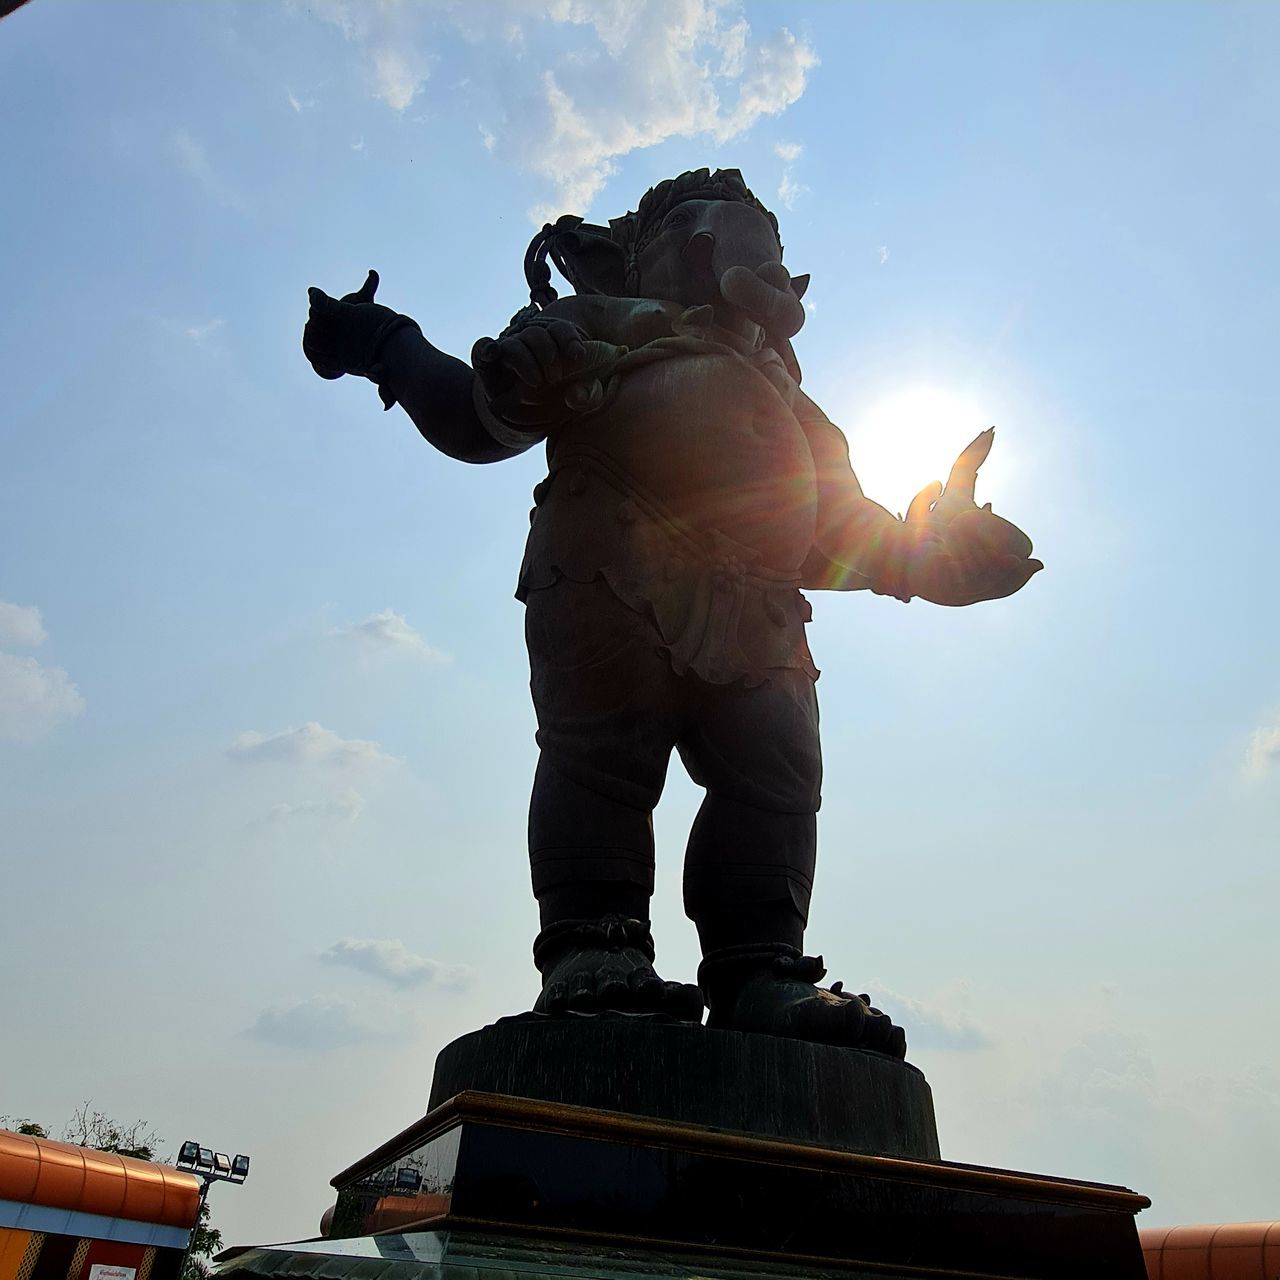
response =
{"points": [[678, 246]]}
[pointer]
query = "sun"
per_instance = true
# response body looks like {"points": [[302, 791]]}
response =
{"points": [[902, 442]]}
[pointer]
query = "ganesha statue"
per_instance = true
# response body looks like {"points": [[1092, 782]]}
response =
{"points": [[693, 491]]}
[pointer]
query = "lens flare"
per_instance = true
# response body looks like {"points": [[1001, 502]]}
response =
{"points": [[902, 442]]}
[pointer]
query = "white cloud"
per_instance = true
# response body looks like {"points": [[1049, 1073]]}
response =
{"points": [[391, 35], [194, 161], [788, 188], [1263, 751], [21, 624], [648, 71], [312, 744], [199, 332], [298, 104], [317, 1024], [930, 1027], [390, 632], [344, 808], [34, 698], [882, 254], [399, 74], [1107, 1070], [391, 960], [1075, 1087]]}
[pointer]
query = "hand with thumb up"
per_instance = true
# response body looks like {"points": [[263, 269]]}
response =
{"points": [[342, 335]]}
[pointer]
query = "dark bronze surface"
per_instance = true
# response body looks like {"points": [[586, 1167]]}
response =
{"points": [[555, 1171], [768, 1086], [468, 1251], [692, 489]]}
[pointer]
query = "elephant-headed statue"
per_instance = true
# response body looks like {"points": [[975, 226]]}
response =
{"points": [[692, 491]]}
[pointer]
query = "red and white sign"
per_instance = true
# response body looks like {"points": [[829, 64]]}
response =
{"points": [[99, 1271]]}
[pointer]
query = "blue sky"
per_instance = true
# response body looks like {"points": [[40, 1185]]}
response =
{"points": [[265, 739]]}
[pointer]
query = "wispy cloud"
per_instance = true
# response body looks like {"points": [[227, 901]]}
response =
{"points": [[789, 190], [1263, 751], [390, 960], [312, 744], [390, 632], [882, 254], [301, 102], [194, 161], [618, 77], [34, 698], [344, 808], [314, 1025], [21, 625], [200, 333], [394, 39], [929, 1026]]}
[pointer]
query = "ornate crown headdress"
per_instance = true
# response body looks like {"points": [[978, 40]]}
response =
{"points": [[631, 233]]}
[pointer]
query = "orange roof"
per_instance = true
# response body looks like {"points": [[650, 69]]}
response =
{"points": [[1224, 1251], [56, 1174], [399, 1211]]}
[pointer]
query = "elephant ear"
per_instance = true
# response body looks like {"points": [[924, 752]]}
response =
{"points": [[591, 260]]}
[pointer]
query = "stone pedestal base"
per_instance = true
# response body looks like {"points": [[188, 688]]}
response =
{"points": [[600, 1149], [488, 1187], [752, 1084]]}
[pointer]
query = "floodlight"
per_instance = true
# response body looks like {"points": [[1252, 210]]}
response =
{"points": [[408, 1180], [210, 1166]]}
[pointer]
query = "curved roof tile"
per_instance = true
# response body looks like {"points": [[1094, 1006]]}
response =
{"points": [[1221, 1251], [60, 1176]]}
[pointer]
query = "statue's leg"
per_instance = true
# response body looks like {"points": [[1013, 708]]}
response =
{"points": [[750, 863], [589, 854], [607, 721], [749, 867]]}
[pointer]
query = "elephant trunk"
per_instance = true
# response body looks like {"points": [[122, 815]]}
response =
{"points": [[741, 259]]}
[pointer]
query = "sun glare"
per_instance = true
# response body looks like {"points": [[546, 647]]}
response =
{"points": [[901, 443]]}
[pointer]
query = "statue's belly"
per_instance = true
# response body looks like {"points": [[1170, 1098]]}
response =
{"points": [[710, 439]]}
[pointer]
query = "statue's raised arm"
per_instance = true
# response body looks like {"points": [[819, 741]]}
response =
{"points": [[446, 398]]}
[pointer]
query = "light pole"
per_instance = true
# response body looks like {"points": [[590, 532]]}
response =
{"points": [[209, 1166]]}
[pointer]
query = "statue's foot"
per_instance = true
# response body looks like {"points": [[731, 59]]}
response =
{"points": [[772, 989], [606, 966]]}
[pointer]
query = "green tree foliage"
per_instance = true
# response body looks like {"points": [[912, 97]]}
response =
{"points": [[89, 1127], [206, 1240]]}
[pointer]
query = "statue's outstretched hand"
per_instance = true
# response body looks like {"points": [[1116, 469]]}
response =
{"points": [[342, 334], [960, 553]]}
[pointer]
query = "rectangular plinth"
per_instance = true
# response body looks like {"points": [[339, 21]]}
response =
{"points": [[494, 1164]]}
